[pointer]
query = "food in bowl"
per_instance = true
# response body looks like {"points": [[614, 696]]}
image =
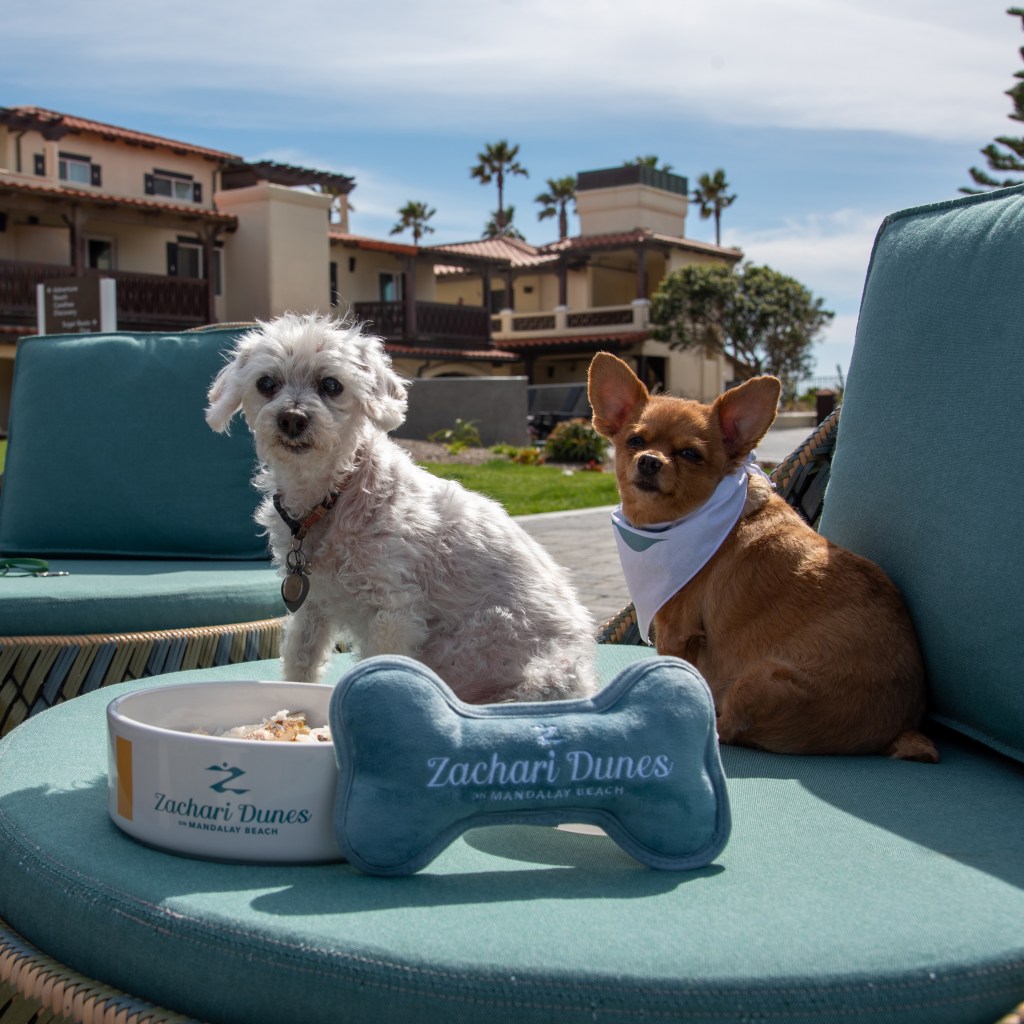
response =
{"points": [[208, 794], [282, 727]]}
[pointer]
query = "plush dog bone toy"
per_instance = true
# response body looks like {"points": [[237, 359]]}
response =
{"points": [[417, 766]]}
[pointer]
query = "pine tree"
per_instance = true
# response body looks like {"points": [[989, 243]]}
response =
{"points": [[1006, 154]]}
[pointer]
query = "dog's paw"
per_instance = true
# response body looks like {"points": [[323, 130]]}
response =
{"points": [[912, 745]]}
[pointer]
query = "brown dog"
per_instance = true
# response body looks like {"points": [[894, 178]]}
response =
{"points": [[807, 647]]}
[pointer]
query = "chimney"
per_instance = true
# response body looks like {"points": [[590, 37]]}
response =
{"points": [[630, 197]]}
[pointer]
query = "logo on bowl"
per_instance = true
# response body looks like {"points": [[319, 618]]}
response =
{"points": [[232, 773]]}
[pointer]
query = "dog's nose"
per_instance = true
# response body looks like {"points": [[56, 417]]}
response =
{"points": [[648, 465], [293, 423]]}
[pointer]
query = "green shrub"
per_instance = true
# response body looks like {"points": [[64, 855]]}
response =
{"points": [[575, 441], [463, 435]]}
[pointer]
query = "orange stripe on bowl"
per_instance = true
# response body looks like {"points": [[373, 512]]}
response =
{"points": [[123, 756]]}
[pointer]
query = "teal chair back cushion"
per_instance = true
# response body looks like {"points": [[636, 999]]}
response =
{"points": [[109, 453], [926, 478]]}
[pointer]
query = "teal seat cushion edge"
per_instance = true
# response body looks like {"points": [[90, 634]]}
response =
{"points": [[109, 453], [860, 889], [131, 596], [924, 478]]}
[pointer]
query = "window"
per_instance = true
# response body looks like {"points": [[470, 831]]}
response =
{"points": [[185, 259], [391, 289], [174, 186], [190, 259], [99, 253], [79, 170]]}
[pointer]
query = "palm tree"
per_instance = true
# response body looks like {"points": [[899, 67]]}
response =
{"points": [[647, 161], [506, 229], [555, 202], [414, 218], [711, 194], [496, 161]]}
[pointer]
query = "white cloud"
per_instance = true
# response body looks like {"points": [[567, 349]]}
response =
{"points": [[836, 347], [930, 69], [828, 253]]}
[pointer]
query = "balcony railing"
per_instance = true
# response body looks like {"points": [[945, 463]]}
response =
{"points": [[144, 301], [507, 325], [460, 326]]}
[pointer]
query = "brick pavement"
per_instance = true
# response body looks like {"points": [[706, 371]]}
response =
{"points": [[583, 542]]}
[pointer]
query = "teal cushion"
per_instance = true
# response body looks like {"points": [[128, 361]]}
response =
{"points": [[853, 889], [128, 596], [926, 480], [109, 453], [419, 767]]}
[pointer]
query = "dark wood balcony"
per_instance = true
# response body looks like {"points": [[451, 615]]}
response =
{"points": [[150, 302], [434, 322]]}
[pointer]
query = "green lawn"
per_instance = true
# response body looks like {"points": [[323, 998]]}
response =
{"points": [[527, 489]]}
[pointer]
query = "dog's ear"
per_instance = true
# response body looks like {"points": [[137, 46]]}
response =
{"points": [[225, 395], [746, 412], [388, 400], [616, 394], [388, 407]]}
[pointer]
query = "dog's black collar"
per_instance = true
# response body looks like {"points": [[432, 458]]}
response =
{"points": [[301, 527], [295, 585]]}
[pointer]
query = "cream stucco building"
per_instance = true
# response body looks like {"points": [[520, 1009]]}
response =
{"points": [[193, 235]]}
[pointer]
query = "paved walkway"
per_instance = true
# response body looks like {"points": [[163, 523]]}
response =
{"points": [[583, 541]]}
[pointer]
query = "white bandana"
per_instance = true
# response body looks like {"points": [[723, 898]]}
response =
{"points": [[659, 560]]}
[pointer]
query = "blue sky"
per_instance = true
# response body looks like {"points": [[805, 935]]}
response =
{"points": [[826, 115]]}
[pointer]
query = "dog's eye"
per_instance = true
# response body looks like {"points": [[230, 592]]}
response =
{"points": [[266, 386], [689, 454], [636, 442], [331, 387]]}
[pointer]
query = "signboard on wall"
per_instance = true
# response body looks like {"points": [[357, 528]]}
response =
{"points": [[76, 305]]}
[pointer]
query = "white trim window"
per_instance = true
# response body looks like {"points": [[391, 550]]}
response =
{"points": [[77, 170], [170, 184], [185, 259]]}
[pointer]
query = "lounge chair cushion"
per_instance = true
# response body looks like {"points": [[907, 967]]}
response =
{"points": [[853, 889], [130, 596], [940, 511], [109, 454]]}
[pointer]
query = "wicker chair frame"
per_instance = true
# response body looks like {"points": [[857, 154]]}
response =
{"points": [[35, 988], [37, 672]]}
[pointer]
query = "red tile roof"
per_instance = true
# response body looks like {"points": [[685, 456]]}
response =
{"points": [[101, 199], [519, 254], [373, 244], [42, 119], [625, 239], [511, 251]]}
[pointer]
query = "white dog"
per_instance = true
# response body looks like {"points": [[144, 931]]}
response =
{"points": [[372, 546]]}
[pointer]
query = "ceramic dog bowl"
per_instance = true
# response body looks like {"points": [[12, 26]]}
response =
{"points": [[219, 797]]}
